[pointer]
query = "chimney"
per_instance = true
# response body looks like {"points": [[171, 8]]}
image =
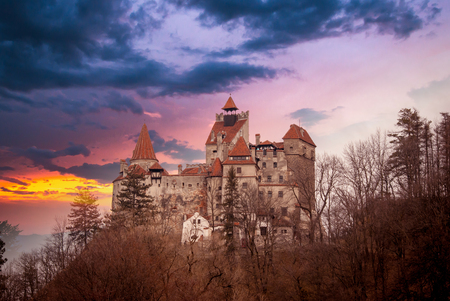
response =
{"points": [[123, 167], [180, 168], [257, 139]]}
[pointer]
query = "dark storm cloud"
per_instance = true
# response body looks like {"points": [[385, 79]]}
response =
{"points": [[274, 24], [308, 116], [72, 105], [173, 148], [20, 192], [6, 168], [43, 158], [13, 180], [102, 173], [48, 44], [212, 77]]}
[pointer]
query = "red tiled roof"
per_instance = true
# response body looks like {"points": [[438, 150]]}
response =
{"points": [[144, 147], [136, 169], [230, 105], [165, 173], [279, 145], [296, 132], [118, 178], [240, 149], [230, 131], [195, 171], [156, 166], [267, 142], [216, 170]]}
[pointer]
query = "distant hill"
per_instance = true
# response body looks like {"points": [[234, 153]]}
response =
{"points": [[27, 243]]}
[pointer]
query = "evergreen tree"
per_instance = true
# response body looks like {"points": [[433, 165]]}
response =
{"points": [[230, 202], [84, 217], [2, 251], [8, 234], [406, 159], [133, 197]]}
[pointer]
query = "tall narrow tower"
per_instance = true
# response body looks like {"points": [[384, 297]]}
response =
{"points": [[143, 153]]}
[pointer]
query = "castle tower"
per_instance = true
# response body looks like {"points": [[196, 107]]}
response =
{"points": [[143, 153], [227, 129]]}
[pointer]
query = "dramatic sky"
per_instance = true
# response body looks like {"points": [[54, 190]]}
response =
{"points": [[78, 78]]}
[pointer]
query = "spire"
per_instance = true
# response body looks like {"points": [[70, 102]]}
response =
{"points": [[230, 105], [144, 147]]}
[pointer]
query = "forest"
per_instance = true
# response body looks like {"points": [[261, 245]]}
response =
{"points": [[379, 223]]}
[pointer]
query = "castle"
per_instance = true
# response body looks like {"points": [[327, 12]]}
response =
{"points": [[265, 167]]}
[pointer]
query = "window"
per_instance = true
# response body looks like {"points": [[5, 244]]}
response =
{"points": [[291, 149], [275, 164], [269, 178], [281, 179], [280, 194], [159, 185], [194, 221], [209, 188], [220, 187], [239, 170], [269, 194], [216, 218], [197, 185], [259, 178], [264, 152], [199, 222], [244, 185], [264, 164], [189, 185], [284, 231], [274, 152], [284, 211], [167, 184], [260, 193], [263, 231], [272, 210], [183, 184]]}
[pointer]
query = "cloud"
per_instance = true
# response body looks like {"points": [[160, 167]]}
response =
{"points": [[6, 168], [47, 44], [102, 173], [308, 116], [213, 77], [275, 24], [12, 180], [43, 157], [173, 148], [20, 192]]}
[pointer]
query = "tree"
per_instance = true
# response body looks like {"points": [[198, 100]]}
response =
{"points": [[9, 233], [84, 217], [2, 251], [231, 199], [2, 262], [133, 197]]}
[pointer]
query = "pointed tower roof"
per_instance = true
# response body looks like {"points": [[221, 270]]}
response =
{"points": [[216, 170], [296, 132], [230, 105], [240, 149], [144, 147]]}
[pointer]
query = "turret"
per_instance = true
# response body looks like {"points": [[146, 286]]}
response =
{"points": [[143, 153]]}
